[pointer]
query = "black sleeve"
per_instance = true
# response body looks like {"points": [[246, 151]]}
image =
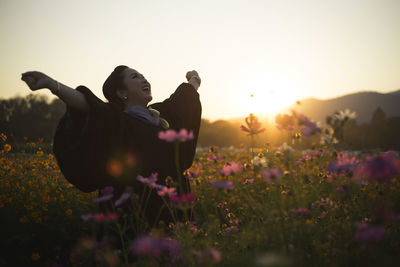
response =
{"points": [[183, 110], [82, 141]]}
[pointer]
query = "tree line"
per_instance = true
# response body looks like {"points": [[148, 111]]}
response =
{"points": [[34, 117]]}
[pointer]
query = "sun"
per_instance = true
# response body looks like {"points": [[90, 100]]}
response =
{"points": [[268, 97]]}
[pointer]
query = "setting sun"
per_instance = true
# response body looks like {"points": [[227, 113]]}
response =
{"points": [[269, 96]]}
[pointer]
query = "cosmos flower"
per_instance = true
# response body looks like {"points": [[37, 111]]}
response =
{"points": [[166, 191], [172, 136], [155, 246], [344, 163], [150, 181], [187, 198], [223, 185], [370, 234], [103, 198], [105, 217], [231, 168], [122, 199], [272, 175], [253, 125], [381, 168], [344, 115]]}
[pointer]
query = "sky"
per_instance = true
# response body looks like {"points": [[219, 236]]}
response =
{"points": [[252, 56]]}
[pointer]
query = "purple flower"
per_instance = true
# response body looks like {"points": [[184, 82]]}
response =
{"points": [[103, 198], [155, 247], [107, 189], [223, 185], [272, 175], [122, 199], [381, 168], [344, 163], [193, 173], [86, 217], [231, 168], [150, 181], [370, 234], [188, 198]]}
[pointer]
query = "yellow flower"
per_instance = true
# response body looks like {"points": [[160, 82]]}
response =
{"points": [[7, 147], [68, 212], [3, 137], [35, 256]]}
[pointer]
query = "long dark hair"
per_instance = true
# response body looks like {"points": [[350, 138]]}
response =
{"points": [[113, 82]]}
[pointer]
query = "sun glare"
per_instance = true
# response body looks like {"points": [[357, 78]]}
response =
{"points": [[268, 97]]}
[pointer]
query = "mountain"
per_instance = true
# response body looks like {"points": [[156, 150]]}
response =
{"points": [[363, 103]]}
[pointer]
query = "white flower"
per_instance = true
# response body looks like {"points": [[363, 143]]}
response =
{"points": [[346, 114], [260, 162]]}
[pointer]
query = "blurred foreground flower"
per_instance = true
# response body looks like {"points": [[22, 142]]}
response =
{"points": [[155, 247], [381, 168], [188, 198], [231, 168], [345, 115], [259, 162], [223, 185], [343, 164], [171, 135], [368, 233], [272, 175], [209, 254], [253, 125]]}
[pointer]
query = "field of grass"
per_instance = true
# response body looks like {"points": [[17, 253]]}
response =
{"points": [[285, 207]]}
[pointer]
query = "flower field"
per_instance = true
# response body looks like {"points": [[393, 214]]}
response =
{"points": [[266, 206]]}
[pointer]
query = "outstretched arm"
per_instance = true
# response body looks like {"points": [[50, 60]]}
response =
{"points": [[37, 80], [193, 78]]}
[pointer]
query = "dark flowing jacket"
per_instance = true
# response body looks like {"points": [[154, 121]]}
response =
{"points": [[108, 147]]}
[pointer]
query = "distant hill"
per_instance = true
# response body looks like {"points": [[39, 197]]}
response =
{"points": [[363, 103]]}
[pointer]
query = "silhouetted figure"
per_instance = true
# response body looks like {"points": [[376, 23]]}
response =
{"points": [[99, 144]]}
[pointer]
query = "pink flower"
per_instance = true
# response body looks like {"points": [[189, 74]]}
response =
{"points": [[209, 254], [370, 234], [286, 121], [253, 125], [105, 217], [223, 185], [272, 175], [150, 181], [155, 247], [166, 191], [231, 168], [172, 136], [103, 198], [187, 198]]}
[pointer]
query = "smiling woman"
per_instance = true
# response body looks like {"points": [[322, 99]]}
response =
{"points": [[100, 144]]}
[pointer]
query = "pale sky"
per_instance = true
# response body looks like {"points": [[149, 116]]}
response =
{"points": [[280, 51]]}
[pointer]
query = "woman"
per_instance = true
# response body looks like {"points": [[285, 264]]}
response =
{"points": [[99, 144]]}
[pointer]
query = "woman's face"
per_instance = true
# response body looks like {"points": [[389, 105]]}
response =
{"points": [[138, 89]]}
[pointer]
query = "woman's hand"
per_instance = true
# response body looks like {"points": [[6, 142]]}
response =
{"points": [[37, 80], [193, 78]]}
